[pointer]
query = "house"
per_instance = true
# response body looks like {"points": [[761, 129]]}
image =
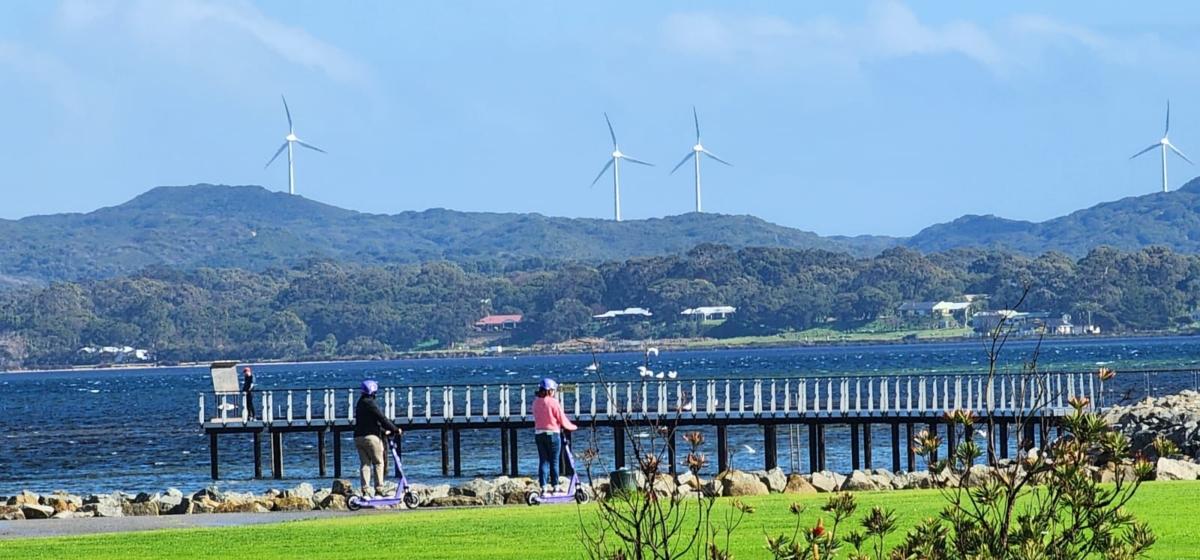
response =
{"points": [[496, 323], [932, 308], [627, 313], [985, 322], [117, 354], [713, 313]]}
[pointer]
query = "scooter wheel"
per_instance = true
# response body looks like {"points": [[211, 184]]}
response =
{"points": [[533, 498], [411, 501], [354, 503], [581, 497]]}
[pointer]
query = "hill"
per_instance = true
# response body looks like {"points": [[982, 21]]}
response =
{"points": [[253, 228], [1170, 219]]}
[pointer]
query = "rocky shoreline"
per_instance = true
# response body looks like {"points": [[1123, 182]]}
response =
{"points": [[1176, 417]]}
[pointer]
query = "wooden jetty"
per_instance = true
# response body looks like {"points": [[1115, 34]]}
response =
{"points": [[904, 403]]}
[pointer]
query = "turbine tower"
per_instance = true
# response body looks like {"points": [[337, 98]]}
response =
{"points": [[1163, 144], [615, 163], [697, 150], [288, 140]]}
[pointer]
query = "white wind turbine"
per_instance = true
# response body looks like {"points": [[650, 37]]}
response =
{"points": [[695, 154], [287, 145], [615, 163], [1163, 144]]}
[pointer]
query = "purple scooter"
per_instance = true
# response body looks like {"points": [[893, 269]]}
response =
{"points": [[573, 493], [402, 494]]}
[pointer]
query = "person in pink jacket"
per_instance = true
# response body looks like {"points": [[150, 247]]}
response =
{"points": [[549, 421]]}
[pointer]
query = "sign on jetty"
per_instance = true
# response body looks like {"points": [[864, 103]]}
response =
{"points": [[815, 403]]}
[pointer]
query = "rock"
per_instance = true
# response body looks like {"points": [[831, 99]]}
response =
{"points": [[426, 494], [105, 505], [35, 511], [482, 489], [61, 501], [456, 501], [211, 492], [664, 485], [234, 506], [859, 481], [24, 498], [11, 513], [238, 497], [302, 490], [827, 481], [291, 503], [171, 503], [512, 490], [343, 487], [143, 497], [333, 502], [797, 484], [882, 478], [739, 483], [775, 479], [688, 479], [320, 495], [203, 505], [713, 487], [138, 509], [1172, 469]]}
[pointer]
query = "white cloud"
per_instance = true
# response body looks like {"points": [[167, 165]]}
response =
{"points": [[890, 30], [46, 69], [190, 28]]}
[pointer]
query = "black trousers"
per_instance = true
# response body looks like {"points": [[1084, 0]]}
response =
{"points": [[250, 411]]}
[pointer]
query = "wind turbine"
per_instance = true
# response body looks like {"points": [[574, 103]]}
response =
{"points": [[695, 154], [615, 163], [1162, 144], [288, 140]]}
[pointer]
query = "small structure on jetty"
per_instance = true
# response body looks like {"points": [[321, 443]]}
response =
{"points": [[812, 403]]}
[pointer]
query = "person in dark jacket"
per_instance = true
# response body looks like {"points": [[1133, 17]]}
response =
{"points": [[248, 392], [371, 425]]}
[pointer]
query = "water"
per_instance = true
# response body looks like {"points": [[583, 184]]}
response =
{"points": [[137, 430]]}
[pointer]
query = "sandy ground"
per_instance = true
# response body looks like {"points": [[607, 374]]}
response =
{"points": [[91, 525]]}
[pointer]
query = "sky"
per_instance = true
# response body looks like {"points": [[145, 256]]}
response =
{"points": [[876, 117]]}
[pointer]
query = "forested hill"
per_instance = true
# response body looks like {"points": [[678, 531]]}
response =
{"points": [[1171, 219], [253, 228]]}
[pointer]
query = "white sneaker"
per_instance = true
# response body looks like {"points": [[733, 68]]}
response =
{"points": [[547, 489], [559, 489]]}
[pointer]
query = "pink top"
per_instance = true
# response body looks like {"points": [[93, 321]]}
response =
{"points": [[548, 415]]}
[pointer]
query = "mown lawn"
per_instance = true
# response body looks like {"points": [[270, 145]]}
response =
{"points": [[520, 532]]}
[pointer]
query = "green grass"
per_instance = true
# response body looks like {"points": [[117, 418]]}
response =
{"points": [[518, 532]]}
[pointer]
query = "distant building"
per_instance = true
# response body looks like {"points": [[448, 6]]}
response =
{"points": [[716, 312], [1031, 323], [117, 353], [495, 323], [627, 313], [932, 308]]}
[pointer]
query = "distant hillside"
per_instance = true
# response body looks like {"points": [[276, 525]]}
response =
{"points": [[251, 227], [1171, 219]]}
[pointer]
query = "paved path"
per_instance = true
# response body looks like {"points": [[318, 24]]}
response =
{"points": [[90, 525]]}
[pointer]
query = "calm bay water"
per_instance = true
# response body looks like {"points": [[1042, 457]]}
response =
{"points": [[137, 430]]}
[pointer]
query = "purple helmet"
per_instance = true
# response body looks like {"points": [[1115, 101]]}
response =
{"points": [[548, 384], [370, 387]]}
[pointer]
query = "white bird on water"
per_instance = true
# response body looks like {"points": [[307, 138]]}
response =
{"points": [[672, 374], [748, 449]]}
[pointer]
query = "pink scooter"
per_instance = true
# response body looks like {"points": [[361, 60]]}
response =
{"points": [[403, 495], [574, 491]]}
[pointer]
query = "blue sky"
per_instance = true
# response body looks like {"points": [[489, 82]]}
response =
{"points": [[876, 117]]}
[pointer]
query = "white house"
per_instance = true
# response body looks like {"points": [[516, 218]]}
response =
{"points": [[627, 313], [716, 312]]}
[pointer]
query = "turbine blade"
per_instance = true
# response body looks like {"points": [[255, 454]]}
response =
{"points": [[289, 113], [1168, 127], [311, 147], [1151, 147], [638, 161], [696, 118], [681, 162], [1179, 153], [610, 131], [601, 173], [710, 154], [277, 152]]}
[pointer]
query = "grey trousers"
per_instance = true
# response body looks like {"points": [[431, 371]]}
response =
{"points": [[370, 453]]}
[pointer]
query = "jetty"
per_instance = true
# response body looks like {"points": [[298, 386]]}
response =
{"points": [[904, 403]]}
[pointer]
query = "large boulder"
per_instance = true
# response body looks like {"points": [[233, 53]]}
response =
{"points": [[172, 502], [291, 503], [426, 494], [105, 505], [241, 506], [664, 485], [73, 515], [24, 498], [456, 501], [61, 501], [211, 492], [343, 487], [303, 490], [827, 481], [859, 481], [479, 488], [35, 511], [512, 490], [333, 502], [740, 483], [775, 479], [688, 479], [138, 509], [882, 478], [11, 513], [1172, 469], [797, 484]]}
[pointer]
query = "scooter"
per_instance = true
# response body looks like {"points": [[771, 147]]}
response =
{"points": [[403, 493], [574, 491]]}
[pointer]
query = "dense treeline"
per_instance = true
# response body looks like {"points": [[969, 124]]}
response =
{"points": [[326, 309]]}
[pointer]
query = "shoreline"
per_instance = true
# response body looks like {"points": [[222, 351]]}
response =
{"points": [[611, 347]]}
